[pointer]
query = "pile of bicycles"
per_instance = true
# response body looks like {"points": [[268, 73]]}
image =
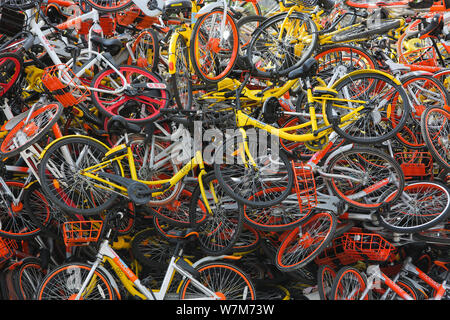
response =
{"points": [[231, 150]]}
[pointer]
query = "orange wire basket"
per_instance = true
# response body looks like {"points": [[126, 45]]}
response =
{"points": [[415, 164], [7, 247], [80, 233], [370, 246], [305, 187], [69, 93], [352, 247]]}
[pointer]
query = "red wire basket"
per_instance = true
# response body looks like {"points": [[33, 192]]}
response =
{"points": [[70, 92], [7, 247], [352, 247], [369, 246], [80, 233], [415, 164], [305, 187]]}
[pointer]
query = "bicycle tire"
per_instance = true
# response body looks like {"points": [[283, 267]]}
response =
{"points": [[29, 276], [39, 124], [352, 57], [226, 280], [141, 105], [428, 204], [222, 54], [71, 274], [348, 276], [304, 243], [325, 279], [287, 59], [373, 165], [15, 221], [372, 124], [435, 130], [182, 76], [10, 62], [146, 50], [76, 202], [246, 27]]}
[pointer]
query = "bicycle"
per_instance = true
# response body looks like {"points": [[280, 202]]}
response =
{"points": [[199, 282]]}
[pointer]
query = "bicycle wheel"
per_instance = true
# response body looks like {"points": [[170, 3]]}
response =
{"points": [[109, 5], [24, 134], [349, 284], [424, 92], [346, 57], [181, 80], [435, 128], [29, 276], [138, 103], [226, 280], [364, 177], [152, 250], [423, 205], [214, 52], [145, 49], [281, 44], [306, 241], [283, 216], [325, 279], [11, 68], [15, 220], [61, 177], [261, 176], [64, 283], [246, 26], [219, 230], [368, 101]]}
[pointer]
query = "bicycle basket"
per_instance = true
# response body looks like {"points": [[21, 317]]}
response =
{"points": [[70, 92], [370, 246], [80, 233], [305, 187], [7, 247], [415, 164], [11, 21], [335, 255]]}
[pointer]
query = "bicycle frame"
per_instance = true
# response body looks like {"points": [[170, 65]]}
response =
{"points": [[376, 274], [92, 56], [132, 282]]}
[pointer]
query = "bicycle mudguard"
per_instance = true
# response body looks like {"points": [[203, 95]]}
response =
{"points": [[356, 72], [71, 136]]}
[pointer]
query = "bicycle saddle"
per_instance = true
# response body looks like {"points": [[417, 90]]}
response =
{"points": [[177, 6], [119, 124], [307, 69], [112, 46]]}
